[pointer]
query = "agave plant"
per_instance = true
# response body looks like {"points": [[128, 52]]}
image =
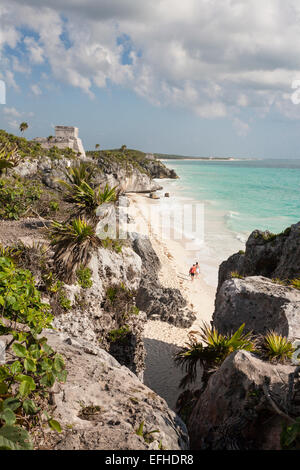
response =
{"points": [[275, 347], [73, 244], [76, 174], [212, 353], [8, 158], [87, 199]]}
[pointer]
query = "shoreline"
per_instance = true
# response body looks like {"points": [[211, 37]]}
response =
{"points": [[162, 339]]}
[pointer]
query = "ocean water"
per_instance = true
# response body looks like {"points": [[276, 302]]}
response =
{"points": [[238, 197]]}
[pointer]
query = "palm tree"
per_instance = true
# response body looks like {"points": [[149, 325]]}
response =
{"points": [[97, 146], [123, 148], [23, 127]]}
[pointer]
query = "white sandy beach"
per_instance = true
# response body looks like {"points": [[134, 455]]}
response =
{"points": [[162, 339]]}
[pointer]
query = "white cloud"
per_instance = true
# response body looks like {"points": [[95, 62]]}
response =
{"points": [[12, 112], [211, 57], [36, 89], [36, 53]]}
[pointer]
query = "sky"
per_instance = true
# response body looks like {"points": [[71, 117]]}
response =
{"points": [[192, 77]]}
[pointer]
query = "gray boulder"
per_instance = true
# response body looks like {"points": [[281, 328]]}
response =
{"points": [[259, 303], [268, 255], [236, 409], [103, 404], [157, 301]]}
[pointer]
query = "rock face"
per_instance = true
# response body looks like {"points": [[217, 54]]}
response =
{"points": [[158, 302], [103, 404], [157, 169], [268, 255], [234, 411], [259, 303], [92, 316], [127, 181]]}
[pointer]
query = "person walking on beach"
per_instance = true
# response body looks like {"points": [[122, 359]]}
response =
{"points": [[197, 270], [192, 272]]}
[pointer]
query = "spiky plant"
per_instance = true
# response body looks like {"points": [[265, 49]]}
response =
{"points": [[276, 348], [73, 244], [77, 174], [8, 158], [86, 199], [210, 351]]}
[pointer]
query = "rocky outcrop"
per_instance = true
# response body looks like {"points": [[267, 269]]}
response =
{"points": [[236, 410], [268, 255], [102, 405], [158, 302], [95, 318], [157, 169], [259, 303]]}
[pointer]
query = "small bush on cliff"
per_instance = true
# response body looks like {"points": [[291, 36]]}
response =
{"points": [[9, 158], [77, 174], [31, 366], [275, 347], [296, 283], [84, 277], [236, 275], [86, 199], [73, 244], [17, 197], [212, 353]]}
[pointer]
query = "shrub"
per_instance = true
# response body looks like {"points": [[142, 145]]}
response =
{"points": [[296, 283], [119, 334], [212, 353], [17, 197], [9, 158], [77, 174], [33, 366], [86, 199], [236, 275], [73, 244], [54, 206], [84, 277], [275, 347]]}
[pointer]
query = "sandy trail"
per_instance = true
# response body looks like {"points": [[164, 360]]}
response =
{"points": [[161, 339]]}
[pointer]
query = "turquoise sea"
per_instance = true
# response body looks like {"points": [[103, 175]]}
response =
{"points": [[239, 197]]}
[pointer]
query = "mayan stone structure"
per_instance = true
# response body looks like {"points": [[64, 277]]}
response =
{"points": [[65, 137]]}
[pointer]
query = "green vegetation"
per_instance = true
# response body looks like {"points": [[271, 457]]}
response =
{"points": [[212, 353], [146, 435], [236, 275], [32, 367], [290, 435], [79, 192], [276, 348], [9, 158], [84, 277], [123, 158], [54, 206], [296, 283], [119, 334], [114, 245], [73, 244], [31, 149], [23, 127], [17, 197]]}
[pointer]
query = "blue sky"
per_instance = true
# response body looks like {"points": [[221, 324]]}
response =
{"points": [[192, 78]]}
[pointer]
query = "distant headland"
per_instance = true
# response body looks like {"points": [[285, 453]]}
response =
{"points": [[163, 156]]}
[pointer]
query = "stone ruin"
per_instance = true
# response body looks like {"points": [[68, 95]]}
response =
{"points": [[65, 137]]}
